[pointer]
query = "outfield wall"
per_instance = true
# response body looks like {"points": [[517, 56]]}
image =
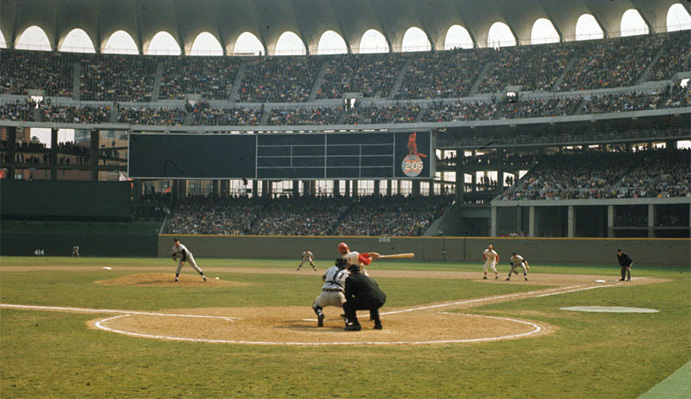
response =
{"points": [[53, 244], [648, 251]]}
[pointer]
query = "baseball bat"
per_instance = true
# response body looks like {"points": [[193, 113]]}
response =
{"points": [[406, 255]]}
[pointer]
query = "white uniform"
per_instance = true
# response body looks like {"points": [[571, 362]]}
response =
{"points": [[491, 257], [518, 261], [333, 288], [307, 256], [182, 254], [353, 258]]}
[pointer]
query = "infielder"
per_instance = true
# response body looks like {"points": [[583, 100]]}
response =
{"points": [[625, 263], [356, 258], [517, 261], [332, 290], [307, 256], [182, 255], [491, 258]]}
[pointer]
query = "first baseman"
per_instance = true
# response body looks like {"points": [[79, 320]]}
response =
{"points": [[182, 255], [491, 258], [307, 256], [332, 290], [517, 261]]}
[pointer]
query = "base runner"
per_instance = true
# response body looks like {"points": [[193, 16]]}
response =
{"points": [[491, 258], [517, 261], [182, 255], [307, 256], [332, 290]]}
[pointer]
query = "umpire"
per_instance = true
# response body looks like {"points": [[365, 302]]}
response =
{"points": [[625, 263], [362, 293]]}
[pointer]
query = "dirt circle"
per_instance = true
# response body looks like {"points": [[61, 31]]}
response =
{"points": [[168, 280], [298, 326]]}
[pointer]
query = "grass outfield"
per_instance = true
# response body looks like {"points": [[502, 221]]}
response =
{"points": [[54, 355]]}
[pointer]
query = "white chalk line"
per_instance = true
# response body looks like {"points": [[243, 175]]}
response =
{"points": [[124, 313]]}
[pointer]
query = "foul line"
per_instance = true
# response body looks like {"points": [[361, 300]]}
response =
{"points": [[101, 324]]}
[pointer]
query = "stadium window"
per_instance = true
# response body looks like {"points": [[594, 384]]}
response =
{"points": [[163, 43], [3, 43], [500, 35], [248, 44], [458, 37], [206, 44], [678, 18], [33, 38], [543, 32], [120, 42], [587, 28], [373, 42], [415, 39], [290, 44], [331, 43], [77, 41], [632, 24]]}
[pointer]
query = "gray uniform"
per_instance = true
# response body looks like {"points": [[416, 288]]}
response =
{"points": [[517, 261], [333, 290], [182, 254]]}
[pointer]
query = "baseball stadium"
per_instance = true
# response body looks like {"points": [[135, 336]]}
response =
{"points": [[354, 199]]}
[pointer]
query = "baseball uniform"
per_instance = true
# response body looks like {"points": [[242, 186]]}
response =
{"points": [[307, 256], [332, 290], [517, 261], [491, 257], [182, 255]]}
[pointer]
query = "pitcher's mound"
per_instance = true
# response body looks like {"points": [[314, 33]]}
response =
{"points": [[168, 280]]}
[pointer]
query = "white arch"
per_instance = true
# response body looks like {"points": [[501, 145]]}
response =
{"points": [[587, 28], [120, 42], [331, 43], [415, 39], [373, 41], [678, 18], [163, 43], [33, 38], [290, 44], [500, 35], [632, 23], [206, 44], [248, 44], [77, 41], [458, 37], [543, 32], [3, 43]]}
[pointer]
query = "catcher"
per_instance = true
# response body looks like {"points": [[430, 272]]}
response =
{"points": [[332, 290], [517, 261], [182, 255]]}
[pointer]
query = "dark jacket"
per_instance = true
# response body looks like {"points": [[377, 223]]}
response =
{"points": [[364, 289], [624, 260]]}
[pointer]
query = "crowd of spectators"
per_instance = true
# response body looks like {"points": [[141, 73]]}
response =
{"points": [[214, 215], [393, 216], [279, 79], [373, 75], [535, 68], [443, 74], [117, 77], [308, 215], [373, 114], [21, 71], [304, 116], [494, 109], [676, 57], [212, 77], [152, 116], [596, 175], [204, 115], [73, 114], [608, 63], [17, 111]]}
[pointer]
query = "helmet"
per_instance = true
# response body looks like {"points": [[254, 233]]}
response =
{"points": [[343, 248], [341, 263]]}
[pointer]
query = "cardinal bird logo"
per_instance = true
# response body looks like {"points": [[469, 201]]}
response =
{"points": [[412, 164]]}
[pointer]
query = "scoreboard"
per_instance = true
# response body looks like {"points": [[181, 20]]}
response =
{"points": [[277, 156]]}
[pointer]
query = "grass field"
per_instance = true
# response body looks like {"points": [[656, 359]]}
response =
{"points": [[46, 354]]}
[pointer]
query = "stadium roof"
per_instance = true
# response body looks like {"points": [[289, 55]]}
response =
{"points": [[268, 19]]}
